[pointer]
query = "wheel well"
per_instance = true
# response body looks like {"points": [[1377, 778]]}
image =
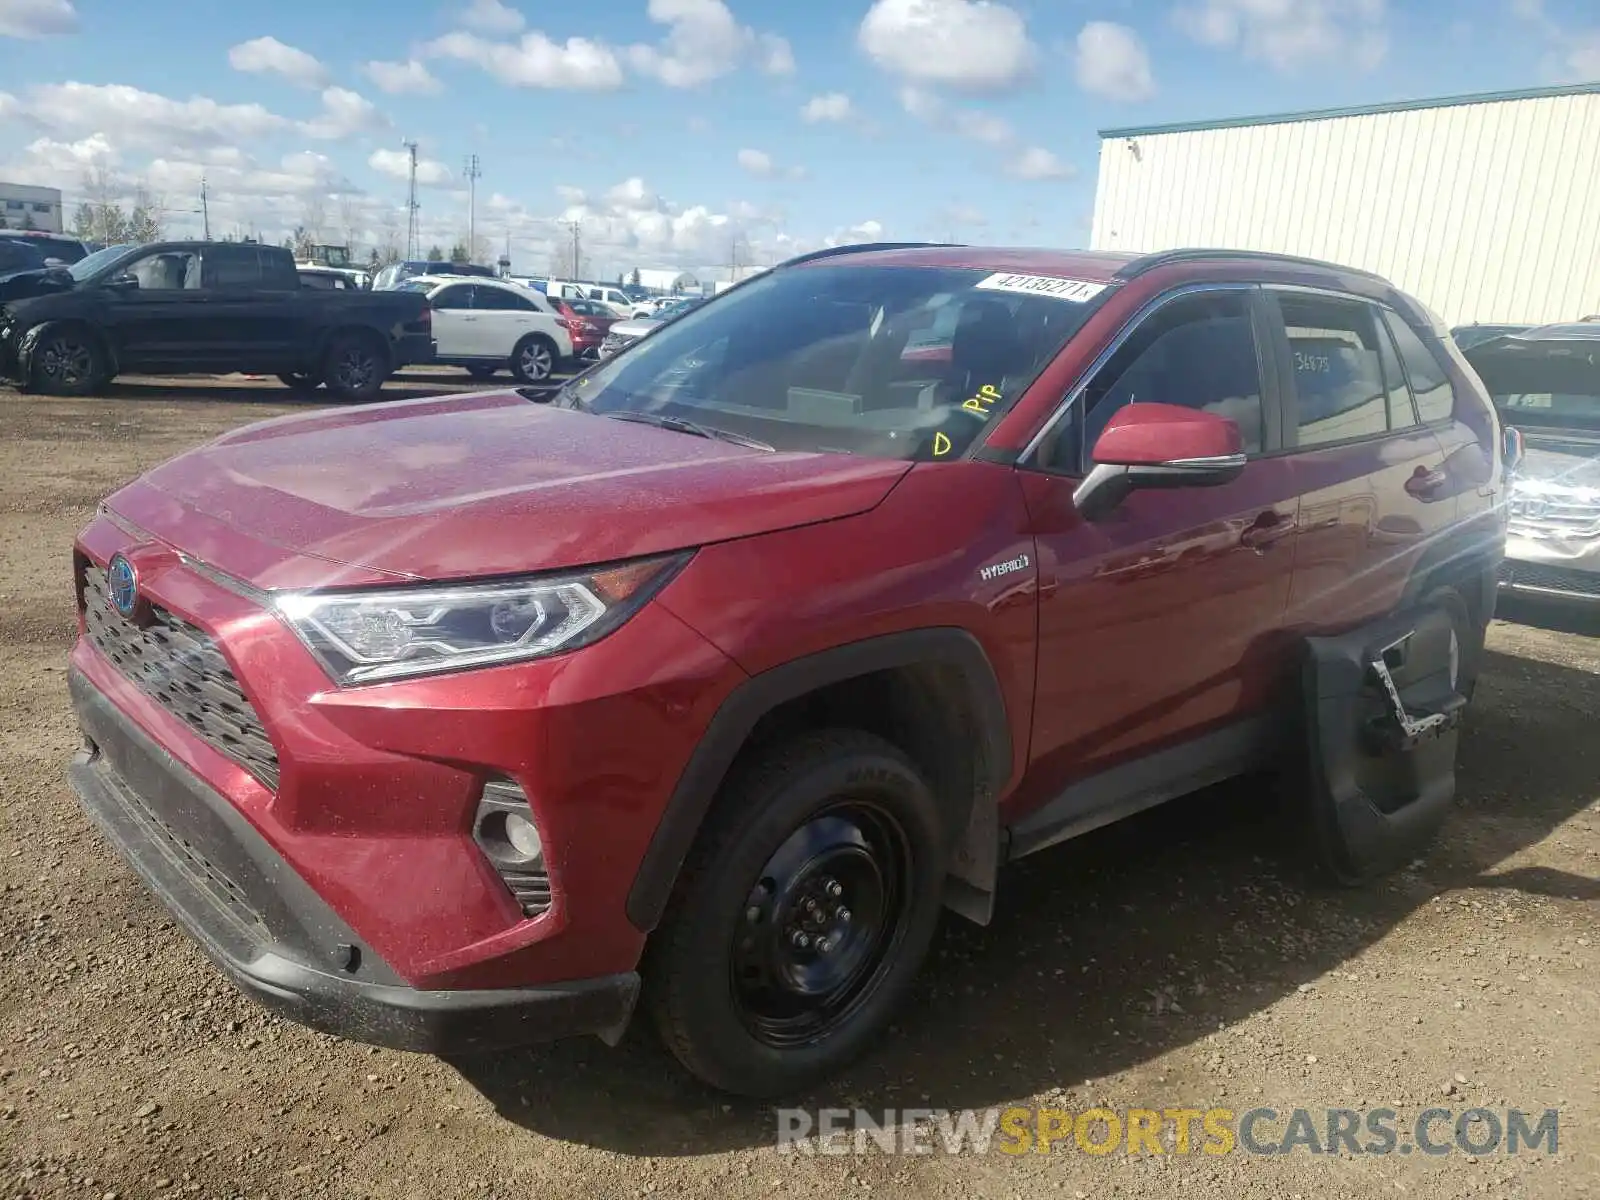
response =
{"points": [[929, 712], [88, 328]]}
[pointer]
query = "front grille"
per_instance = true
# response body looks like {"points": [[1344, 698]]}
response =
{"points": [[1539, 577], [1537, 515], [180, 667]]}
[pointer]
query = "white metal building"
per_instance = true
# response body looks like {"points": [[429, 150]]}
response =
{"points": [[25, 207], [1486, 208]]}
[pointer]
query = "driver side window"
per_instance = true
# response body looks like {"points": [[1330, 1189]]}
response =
{"points": [[1197, 351], [166, 271]]}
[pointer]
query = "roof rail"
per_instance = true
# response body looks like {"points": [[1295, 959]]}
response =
{"points": [[861, 248], [1165, 258]]}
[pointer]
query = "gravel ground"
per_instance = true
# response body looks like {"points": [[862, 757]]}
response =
{"points": [[1178, 960]]}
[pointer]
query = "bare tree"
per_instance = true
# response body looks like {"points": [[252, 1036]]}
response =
{"points": [[389, 248], [315, 217], [145, 218], [103, 218], [350, 220]]}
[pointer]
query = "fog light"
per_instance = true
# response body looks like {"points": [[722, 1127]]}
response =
{"points": [[505, 831]]}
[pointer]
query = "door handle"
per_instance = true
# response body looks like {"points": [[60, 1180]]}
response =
{"points": [[1268, 530], [1425, 482]]}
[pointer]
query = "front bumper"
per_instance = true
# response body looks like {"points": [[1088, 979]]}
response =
{"points": [[272, 935], [1546, 564]]}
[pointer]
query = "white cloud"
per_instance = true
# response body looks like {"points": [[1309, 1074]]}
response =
{"points": [[704, 42], [1112, 62], [1286, 34], [1038, 163], [1574, 55], [978, 45], [832, 106], [777, 55], [345, 114], [131, 117], [396, 164], [492, 17], [758, 163], [269, 56], [969, 123], [401, 78], [573, 195], [535, 61], [37, 18], [1582, 56]]}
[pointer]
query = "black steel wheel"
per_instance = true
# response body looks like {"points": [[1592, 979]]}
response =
{"points": [[801, 916], [821, 924]]}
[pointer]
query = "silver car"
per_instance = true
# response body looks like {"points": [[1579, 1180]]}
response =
{"points": [[1546, 386], [624, 333]]}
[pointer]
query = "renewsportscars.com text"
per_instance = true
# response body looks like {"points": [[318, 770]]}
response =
{"points": [[1211, 1131]]}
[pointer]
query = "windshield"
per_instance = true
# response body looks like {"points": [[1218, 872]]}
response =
{"points": [[1555, 410], [93, 263], [815, 358]]}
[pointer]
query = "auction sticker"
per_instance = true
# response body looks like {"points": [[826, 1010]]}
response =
{"points": [[1075, 290]]}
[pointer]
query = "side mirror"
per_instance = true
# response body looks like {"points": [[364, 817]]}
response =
{"points": [[1159, 446], [126, 282]]}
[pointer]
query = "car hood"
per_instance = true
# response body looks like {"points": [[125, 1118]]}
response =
{"points": [[474, 486], [636, 326], [1557, 451], [35, 281]]}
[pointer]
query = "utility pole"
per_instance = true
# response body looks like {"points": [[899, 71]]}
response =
{"points": [[412, 207], [733, 259], [473, 175], [205, 208], [576, 229]]}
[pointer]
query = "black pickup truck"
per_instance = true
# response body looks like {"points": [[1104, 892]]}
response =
{"points": [[202, 308]]}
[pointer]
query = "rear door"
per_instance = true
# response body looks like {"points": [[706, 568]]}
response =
{"points": [[251, 307], [1370, 473], [503, 317]]}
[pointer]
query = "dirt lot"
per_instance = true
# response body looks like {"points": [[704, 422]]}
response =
{"points": [[1176, 961]]}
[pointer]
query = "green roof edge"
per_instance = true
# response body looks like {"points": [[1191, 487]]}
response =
{"points": [[1361, 110]]}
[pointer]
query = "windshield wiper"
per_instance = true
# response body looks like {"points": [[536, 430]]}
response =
{"points": [[683, 425]]}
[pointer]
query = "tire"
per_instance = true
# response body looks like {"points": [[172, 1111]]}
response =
{"points": [[66, 360], [482, 373], [740, 999], [533, 359], [355, 366], [300, 381], [1469, 635]]}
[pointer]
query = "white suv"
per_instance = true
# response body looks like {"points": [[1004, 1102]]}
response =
{"points": [[485, 325]]}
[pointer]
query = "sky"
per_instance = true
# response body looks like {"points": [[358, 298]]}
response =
{"points": [[696, 134]]}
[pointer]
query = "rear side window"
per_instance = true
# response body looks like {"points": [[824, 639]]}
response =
{"points": [[457, 295], [1402, 412], [1335, 360], [1436, 399], [232, 267]]}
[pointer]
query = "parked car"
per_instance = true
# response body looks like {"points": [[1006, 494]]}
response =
{"points": [[486, 325], [390, 277], [613, 298], [624, 333], [1468, 336], [182, 308], [706, 683], [21, 265], [587, 321], [1546, 384], [56, 248], [328, 279]]}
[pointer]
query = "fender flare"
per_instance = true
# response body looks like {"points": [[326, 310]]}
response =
{"points": [[736, 718]]}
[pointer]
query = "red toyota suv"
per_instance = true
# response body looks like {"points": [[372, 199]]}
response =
{"points": [[708, 680]]}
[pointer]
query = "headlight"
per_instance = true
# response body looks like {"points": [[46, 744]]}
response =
{"points": [[370, 636]]}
